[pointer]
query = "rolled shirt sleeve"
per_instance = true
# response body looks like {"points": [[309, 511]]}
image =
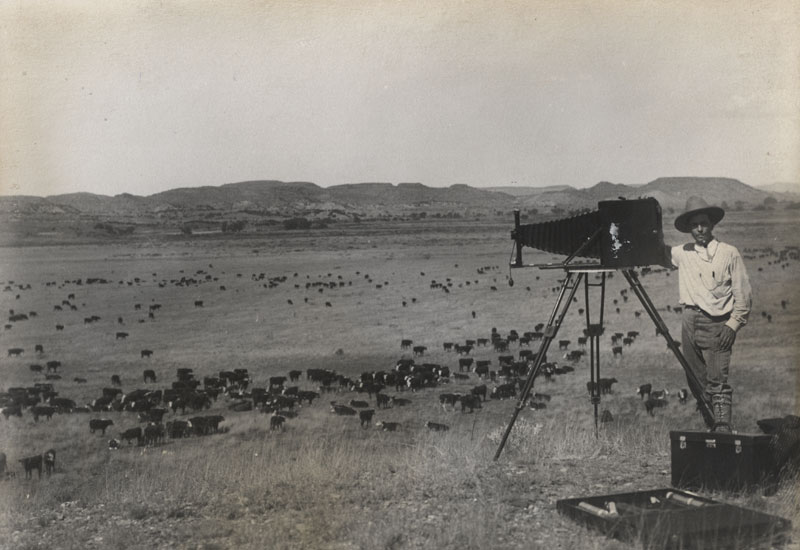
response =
{"points": [[742, 293]]}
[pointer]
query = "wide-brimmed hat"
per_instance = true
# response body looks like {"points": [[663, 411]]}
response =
{"points": [[696, 205]]}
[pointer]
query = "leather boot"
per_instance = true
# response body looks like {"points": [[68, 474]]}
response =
{"points": [[721, 405]]}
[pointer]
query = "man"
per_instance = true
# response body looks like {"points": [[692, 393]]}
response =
{"points": [[716, 297]]}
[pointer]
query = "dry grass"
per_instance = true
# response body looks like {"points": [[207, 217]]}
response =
{"points": [[325, 482]]}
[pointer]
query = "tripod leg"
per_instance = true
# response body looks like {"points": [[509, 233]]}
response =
{"points": [[695, 386], [553, 324]]}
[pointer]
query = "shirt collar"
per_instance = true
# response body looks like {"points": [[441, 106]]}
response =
{"points": [[707, 252]]}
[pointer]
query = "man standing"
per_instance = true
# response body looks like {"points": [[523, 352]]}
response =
{"points": [[716, 298]]}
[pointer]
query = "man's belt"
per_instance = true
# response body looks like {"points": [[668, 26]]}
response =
{"points": [[723, 317]]}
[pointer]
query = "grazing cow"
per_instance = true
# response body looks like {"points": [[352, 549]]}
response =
{"points": [[52, 366], [365, 417], [627, 341], [388, 426], [198, 303], [448, 346], [154, 434], [683, 395], [35, 368], [419, 350], [277, 422], [42, 410], [49, 461], [652, 403], [470, 402], [59, 327], [177, 429], [436, 427], [504, 391], [382, 401], [464, 363], [563, 344], [449, 399], [294, 375], [149, 375], [100, 424], [131, 434], [342, 410], [541, 397], [660, 394], [121, 335], [616, 350], [479, 391], [400, 402], [30, 464], [16, 352], [146, 353], [62, 404], [482, 368], [582, 341], [307, 396], [358, 404]]}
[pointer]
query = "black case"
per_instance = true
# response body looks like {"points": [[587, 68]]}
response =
{"points": [[677, 523], [723, 461]]}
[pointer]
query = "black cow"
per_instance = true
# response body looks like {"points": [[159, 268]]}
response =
{"points": [[644, 389], [149, 375], [464, 363], [42, 410], [146, 353], [365, 417], [121, 336], [115, 380], [342, 410], [563, 344], [277, 422], [309, 396], [131, 434], [30, 464], [38, 348], [49, 461], [405, 344], [653, 403], [16, 352], [154, 433], [419, 350], [100, 424], [356, 404], [437, 427], [479, 391], [388, 426], [178, 428], [470, 402], [52, 366], [294, 375]]}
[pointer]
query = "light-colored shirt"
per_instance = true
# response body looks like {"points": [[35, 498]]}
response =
{"points": [[714, 279]]}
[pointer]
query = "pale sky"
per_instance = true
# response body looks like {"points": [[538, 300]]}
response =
{"points": [[140, 97]]}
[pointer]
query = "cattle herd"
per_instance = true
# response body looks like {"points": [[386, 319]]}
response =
{"points": [[468, 376]]}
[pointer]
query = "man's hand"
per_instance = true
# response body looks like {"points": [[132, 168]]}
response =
{"points": [[726, 338]]}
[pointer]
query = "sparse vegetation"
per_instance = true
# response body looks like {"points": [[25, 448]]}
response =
{"points": [[326, 482]]}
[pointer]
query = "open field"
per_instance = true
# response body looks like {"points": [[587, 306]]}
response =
{"points": [[326, 482]]}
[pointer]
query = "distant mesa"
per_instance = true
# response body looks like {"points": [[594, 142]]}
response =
{"points": [[362, 200]]}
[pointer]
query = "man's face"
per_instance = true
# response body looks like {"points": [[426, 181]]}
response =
{"points": [[701, 229]]}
